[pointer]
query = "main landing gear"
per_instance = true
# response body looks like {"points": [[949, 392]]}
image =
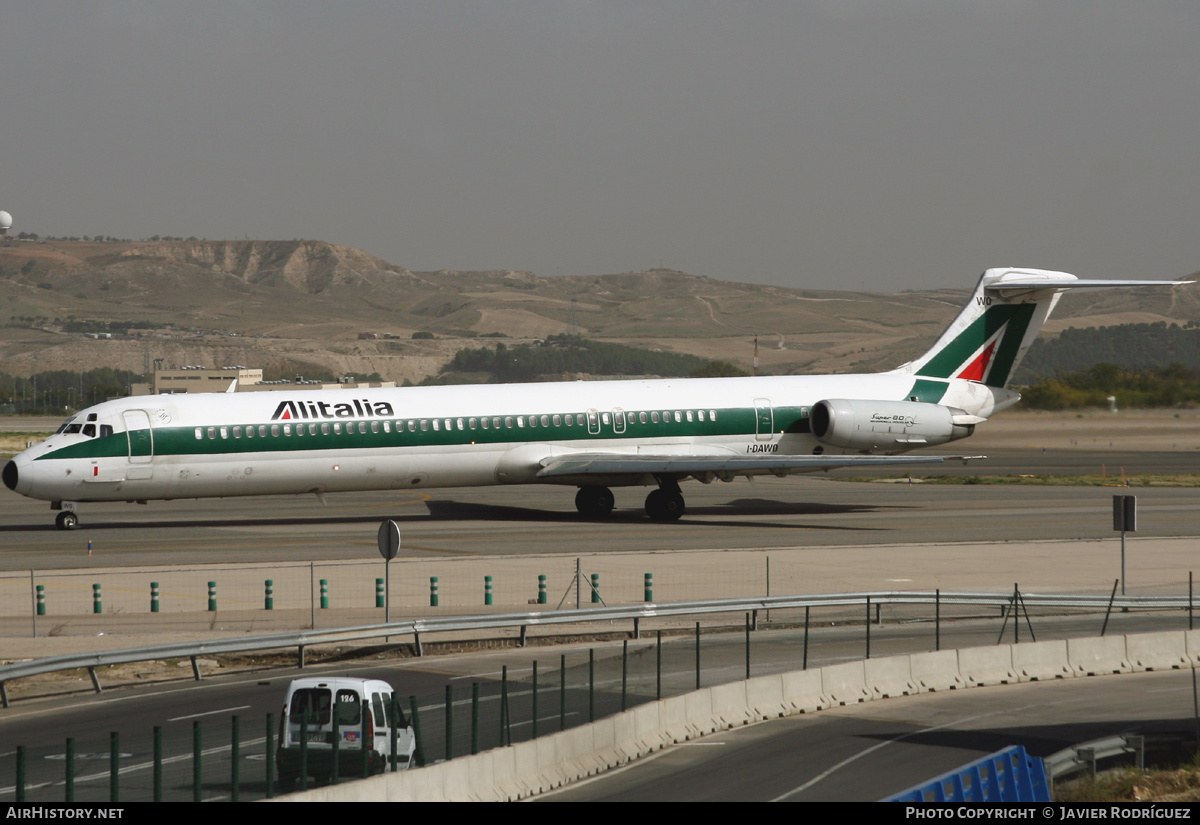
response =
{"points": [[594, 502], [663, 504], [66, 520]]}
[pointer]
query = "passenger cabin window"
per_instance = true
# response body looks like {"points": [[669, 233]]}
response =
{"points": [[106, 430]]}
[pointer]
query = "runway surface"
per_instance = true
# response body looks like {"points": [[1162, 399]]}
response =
{"points": [[797, 511]]}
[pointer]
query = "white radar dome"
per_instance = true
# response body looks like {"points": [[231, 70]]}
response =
{"points": [[5, 220]]}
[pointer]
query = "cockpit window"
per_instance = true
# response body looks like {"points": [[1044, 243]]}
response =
{"points": [[89, 430], [72, 428], [64, 425]]}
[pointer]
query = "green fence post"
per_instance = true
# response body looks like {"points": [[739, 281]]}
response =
{"points": [[197, 761], [269, 596], [69, 772], [158, 758], [233, 761], [648, 586], [379, 592], [20, 773], [449, 724], [269, 741], [324, 594], [487, 590], [97, 605], [41, 600], [335, 770], [212, 598], [416, 723], [541, 589], [368, 745], [595, 588], [433, 591], [153, 597], [114, 766], [474, 718]]}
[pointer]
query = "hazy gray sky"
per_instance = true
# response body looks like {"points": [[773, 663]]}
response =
{"points": [[860, 144]]}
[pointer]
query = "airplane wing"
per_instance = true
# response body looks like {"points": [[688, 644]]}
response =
{"points": [[706, 468]]}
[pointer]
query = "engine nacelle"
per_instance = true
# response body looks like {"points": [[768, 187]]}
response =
{"points": [[889, 426]]}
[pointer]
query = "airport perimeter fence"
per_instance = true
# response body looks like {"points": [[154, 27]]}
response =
{"points": [[228, 757], [543, 690], [278, 597], [259, 597]]}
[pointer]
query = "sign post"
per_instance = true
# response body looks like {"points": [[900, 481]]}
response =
{"points": [[1124, 519], [389, 546]]}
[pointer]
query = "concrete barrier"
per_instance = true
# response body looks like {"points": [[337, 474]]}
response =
{"points": [[1098, 656], [890, 676], [1157, 651], [844, 684], [802, 691], [1038, 661], [730, 707], [986, 665], [935, 670], [1192, 645], [764, 697], [551, 761]]}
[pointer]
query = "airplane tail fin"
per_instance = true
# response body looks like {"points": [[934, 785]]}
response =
{"points": [[988, 339]]}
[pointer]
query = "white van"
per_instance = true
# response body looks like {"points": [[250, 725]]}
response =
{"points": [[314, 706]]}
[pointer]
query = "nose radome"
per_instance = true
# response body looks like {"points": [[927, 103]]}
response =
{"points": [[10, 475]]}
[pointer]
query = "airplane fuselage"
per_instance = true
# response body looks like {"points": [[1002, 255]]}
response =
{"points": [[206, 445]]}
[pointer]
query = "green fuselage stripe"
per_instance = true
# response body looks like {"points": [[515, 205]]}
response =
{"points": [[182, 441]]}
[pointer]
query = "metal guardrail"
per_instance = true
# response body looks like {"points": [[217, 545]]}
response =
{"points": [[525, 620], [1086, 755], [1009, 775]]}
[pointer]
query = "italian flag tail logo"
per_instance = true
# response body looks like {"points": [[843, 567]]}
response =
{"points": [[977, 367]]}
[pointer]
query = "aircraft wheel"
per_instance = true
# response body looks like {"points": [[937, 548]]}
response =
{"points": [[66, 520], [594, 502], [664, 506]]}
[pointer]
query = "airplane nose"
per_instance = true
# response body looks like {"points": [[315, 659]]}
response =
{"points": [[10, 475]]}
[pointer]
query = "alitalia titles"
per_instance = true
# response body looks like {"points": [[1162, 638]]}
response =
{"points": [[358, 408]]}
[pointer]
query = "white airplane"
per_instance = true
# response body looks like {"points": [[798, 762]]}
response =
{"points": [[592, 435]]}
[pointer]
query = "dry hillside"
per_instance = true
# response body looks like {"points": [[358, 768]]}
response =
{"points": [[297, 303]]}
